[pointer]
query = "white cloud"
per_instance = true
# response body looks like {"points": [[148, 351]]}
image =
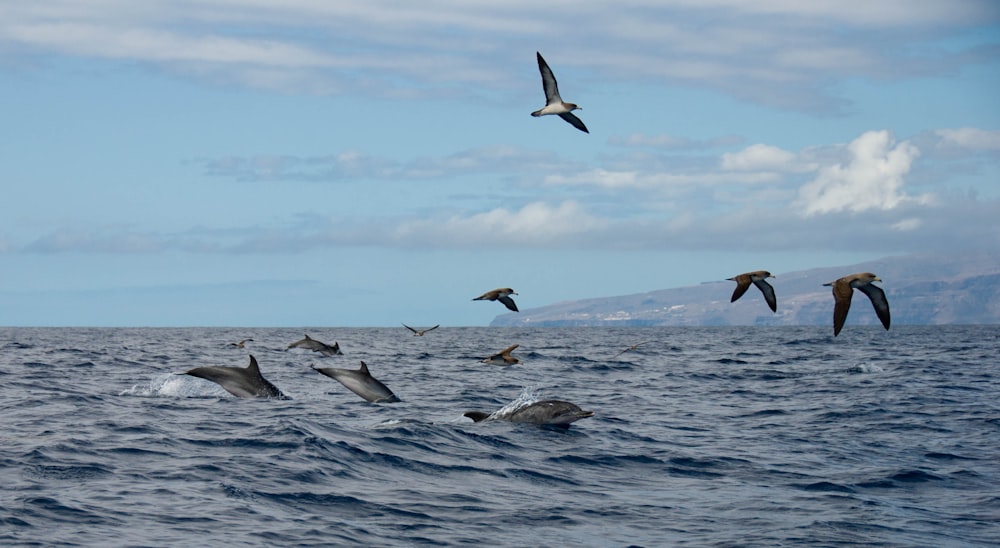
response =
{"points": [[870, 178], [760, 157], [673, 142], [535, 224], [611, 179], [970, 138], [779, 52], [655, 200], [906, 225], [357, 165]]}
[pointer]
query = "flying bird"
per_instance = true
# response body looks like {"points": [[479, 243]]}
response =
{"points": [[553, 103], [503, 357], [241, 344], [309, 343], [632, 347], [420, 332], [843, 290], [502, 294], [759, 279]]}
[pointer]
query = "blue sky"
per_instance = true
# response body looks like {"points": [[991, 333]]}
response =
{"points": [[313, 163]]}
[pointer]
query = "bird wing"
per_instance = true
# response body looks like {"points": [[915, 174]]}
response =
{"points": [[549, 83], [768, 292], [488, 296], [877, 296], [842, 293], [508, 302], [508, 350], [432, 328], [577, 123], [410, 328], [742, 284]]}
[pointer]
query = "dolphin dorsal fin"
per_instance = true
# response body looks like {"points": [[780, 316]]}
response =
{"points": [[307, 336], [364, 369], [253, 367]]}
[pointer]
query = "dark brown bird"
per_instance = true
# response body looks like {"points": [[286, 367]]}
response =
{"points": [[843, 290], [241, 344], [420, 332], [503, 357], [631, 347], [757, 278], [502, 294]]}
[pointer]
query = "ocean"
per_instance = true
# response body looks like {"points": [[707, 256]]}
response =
{"points": [[730, 436]]}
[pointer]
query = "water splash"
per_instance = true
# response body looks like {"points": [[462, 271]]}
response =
{"points": [[177, 386]]}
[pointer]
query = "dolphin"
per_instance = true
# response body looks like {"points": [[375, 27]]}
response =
{"points": [[242, 382], [361, 382], [545, 412], [316, 346]]}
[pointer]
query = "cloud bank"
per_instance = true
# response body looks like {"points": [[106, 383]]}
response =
{"points": [[837, 196], [772, 52]]}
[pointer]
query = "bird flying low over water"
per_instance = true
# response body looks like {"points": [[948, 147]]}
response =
{"points": [[503, 357], [242, 382], [553, 103], [309, 343], [502, 294], [420, 332], [361, 382], [546, 412], [241, 344], [843, 290], [631, 347], [759, 279]]}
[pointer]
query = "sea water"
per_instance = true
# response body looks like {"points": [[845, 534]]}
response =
{"points": [[731, 436]]}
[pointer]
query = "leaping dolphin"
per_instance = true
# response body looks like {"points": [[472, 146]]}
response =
{"points": [[361, 382], [309, 343], [545, 412], [242, 382]]}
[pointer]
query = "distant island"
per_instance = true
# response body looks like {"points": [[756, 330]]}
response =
{"points": [[924, 289]]}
